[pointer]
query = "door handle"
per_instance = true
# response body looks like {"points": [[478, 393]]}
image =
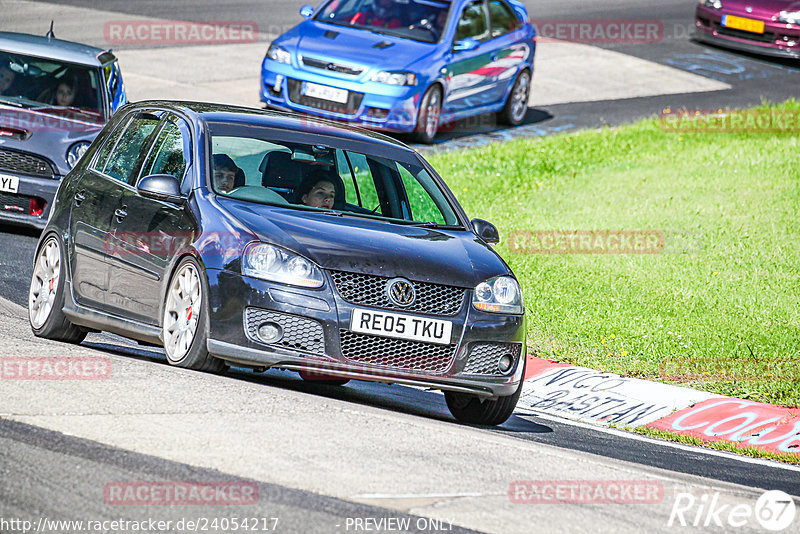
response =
{"points": [[120, 213], [80, 196]]}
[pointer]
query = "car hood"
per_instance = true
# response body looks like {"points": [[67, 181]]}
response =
{"points": [[355, 46], [450, 257], [765, 8], [42, 133]]}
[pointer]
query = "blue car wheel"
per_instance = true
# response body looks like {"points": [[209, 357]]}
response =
{"points": [[430, 109]]}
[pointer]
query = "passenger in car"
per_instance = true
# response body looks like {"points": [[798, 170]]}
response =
{"points": [[68, 91], [7, 78], [225, 171], [383, 13], [316, 190]]}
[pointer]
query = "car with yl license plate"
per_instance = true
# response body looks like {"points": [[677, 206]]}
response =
{"points": [[42, 135], [769, 27], [404, 65], [197, 227]]}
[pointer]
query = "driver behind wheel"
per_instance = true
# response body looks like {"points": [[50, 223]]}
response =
{"points": [[225, 171], [383, 14]]}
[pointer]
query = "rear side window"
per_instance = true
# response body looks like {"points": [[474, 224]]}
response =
{"points": [[503, 18], [122, 158]]}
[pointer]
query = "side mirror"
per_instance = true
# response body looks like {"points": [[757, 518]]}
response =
{"points": [[486, 231], [306, 11], [161, 187], [466, 45]]}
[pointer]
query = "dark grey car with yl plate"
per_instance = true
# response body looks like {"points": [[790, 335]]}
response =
{"points": [[267, 240]]}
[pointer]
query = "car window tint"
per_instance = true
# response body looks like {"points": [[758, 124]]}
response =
{"points": [[422, 205], [503, 18], [122, 161], [167, 156], [472, 23], [108, 147]]}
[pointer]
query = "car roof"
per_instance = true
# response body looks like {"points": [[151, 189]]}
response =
{"points": [[274, 119], [52, 48]]}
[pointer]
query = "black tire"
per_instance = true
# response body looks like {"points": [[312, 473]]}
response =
{"points": [[470, 409], [430, 110], [197, 356], [318, 378], [52, 323], [516, 107]]}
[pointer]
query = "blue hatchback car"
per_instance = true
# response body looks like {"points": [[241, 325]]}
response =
{"points": [[404, 65]]}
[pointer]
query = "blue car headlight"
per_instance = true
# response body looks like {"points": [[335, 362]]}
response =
{"points": [[279, 54], [395, 77], [268, 262], [790, 17], [499, 295]]}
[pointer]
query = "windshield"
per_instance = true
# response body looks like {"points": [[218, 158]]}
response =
{"points": [[258, 168], [419, 20], [51, 86]]}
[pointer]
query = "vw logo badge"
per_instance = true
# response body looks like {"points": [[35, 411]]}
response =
{"points": [[400, 292], [749, 9]]}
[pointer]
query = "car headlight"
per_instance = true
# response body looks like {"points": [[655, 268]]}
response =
{"points": [[713, 4], [75, 152], [268, 262], [395, 77], [790, 17], [499, 295], [279, 54]]}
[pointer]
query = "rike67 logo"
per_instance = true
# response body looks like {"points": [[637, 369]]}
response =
{"points": [[774, 511]]}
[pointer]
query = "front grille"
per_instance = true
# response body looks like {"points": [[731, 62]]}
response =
{"points": [[13, 161], [15, 203], [396, 353], [483, 358], [348, 108], [349, 70], [370, 290], [299, 333], [749, 36]]}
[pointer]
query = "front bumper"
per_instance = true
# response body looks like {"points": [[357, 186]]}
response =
{"points": [[15, 208], [370, 104], [319, 340], [778, 40]]}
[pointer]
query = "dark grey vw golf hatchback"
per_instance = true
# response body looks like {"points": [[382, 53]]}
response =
{"points": [[268, 240]]}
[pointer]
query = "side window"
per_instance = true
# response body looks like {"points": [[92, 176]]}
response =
{"points": [[108, 147], [423, 208], [122, 161], [168, 155], [472, 23], [364, 188], [503, 18]]}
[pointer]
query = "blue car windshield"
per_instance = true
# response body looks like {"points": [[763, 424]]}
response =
{"points": [[252, 167], [51, 86], [418, 20]]}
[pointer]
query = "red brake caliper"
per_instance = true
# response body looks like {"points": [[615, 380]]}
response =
{"points": [[51, 284], [189, 314]]}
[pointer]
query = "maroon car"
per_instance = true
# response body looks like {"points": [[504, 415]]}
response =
{"points": [[769, 27]]}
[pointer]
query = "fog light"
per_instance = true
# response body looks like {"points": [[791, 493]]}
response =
{"points": [[505, 363], [270, 333], [37, 206]]}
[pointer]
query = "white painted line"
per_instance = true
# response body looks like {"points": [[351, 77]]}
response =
{"points": [[670, 444], [417, 495]]}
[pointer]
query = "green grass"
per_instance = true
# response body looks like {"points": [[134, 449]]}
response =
{"points": [[719, 309]]}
